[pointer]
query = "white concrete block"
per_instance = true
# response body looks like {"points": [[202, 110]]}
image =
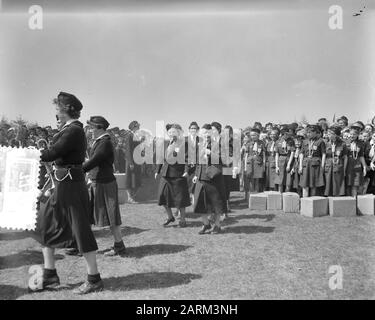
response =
{"points": [[314, 206], [274, 200], [366, 204], [258, 201], [291, 202], [120, 178], [342, 207]]}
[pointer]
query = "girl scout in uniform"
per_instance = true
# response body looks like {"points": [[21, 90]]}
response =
{"points": [[64, 217], [356, 168], [255, 161], [271, 149], [284, 158], [312, 162], [293, 176], [336, 162]]}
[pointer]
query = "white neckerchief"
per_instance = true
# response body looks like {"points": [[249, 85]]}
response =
{"points": [[272, 148], [98, 138], [255, 146], [372, 150], [333, 144]]}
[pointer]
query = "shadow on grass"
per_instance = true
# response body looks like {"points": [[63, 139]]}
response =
{"points": [[13, 235], [267, 217], [153, 249], [149, 280], [249, 229], [24, 258], [9, 292], [125, 231]]}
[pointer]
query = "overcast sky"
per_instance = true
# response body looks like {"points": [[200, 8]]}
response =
{"points": [[235, 64]]}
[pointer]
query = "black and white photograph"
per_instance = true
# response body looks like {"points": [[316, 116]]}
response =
{"points": [[209, 151]]}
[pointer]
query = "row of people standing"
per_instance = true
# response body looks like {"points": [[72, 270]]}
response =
{"points": [[308, 164]]}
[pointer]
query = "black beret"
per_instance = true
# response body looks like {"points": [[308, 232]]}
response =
{"points": [[207, 126], [173, 125], [313, 127], [322, 119], [133, 124], [98, 121], [69, 100], [255, 130], [217, 125], [335, 129], [356, 128], [194, 124]]}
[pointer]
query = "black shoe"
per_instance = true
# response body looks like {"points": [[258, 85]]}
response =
{"points": [[115, 252], [216, 230], [182, 224], [168, 221], [73, 252], [205, 228], [88, 287], [50, 283]]}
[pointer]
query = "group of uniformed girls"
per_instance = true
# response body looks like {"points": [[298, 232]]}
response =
{"points": [[315, 163]]}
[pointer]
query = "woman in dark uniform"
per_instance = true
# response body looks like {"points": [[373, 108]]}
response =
{"points": [[271, 147], [312, 162], [356, 169], [336, 162], [173, 187], [284, 158], [64, 217], [370, 162], [103, 188], [255, 161], [209, 192]]}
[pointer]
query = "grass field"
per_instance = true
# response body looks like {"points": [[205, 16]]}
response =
{"points": [[261, 255]]}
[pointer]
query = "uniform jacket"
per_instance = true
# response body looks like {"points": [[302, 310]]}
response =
{"points": [[100, 164], [68, 146]]}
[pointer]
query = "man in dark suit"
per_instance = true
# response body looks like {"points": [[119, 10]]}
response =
{"points": [[132, 170]]}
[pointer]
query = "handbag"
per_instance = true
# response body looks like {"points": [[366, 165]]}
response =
{"points": [[212, 172]]}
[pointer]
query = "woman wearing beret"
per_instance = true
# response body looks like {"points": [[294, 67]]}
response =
{"points": [[64, 217], [271, 147], [284, 158], [312, 162], [255, 162], [209, 191], [103, 187], [293, 176], [336, 162], [356, 169], [173, 188]]}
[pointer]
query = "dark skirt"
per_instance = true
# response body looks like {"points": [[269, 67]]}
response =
{"points": [[209, 196], [254, 167], [280, 178], [191, 185], [354, 173], [270, 172], [64, 219], [173, 192], [312, 173], [104, 204], [334, 178], [133, 178], [292, 179]]}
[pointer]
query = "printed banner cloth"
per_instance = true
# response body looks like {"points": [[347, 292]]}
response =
{"points": [[19, 174]]}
